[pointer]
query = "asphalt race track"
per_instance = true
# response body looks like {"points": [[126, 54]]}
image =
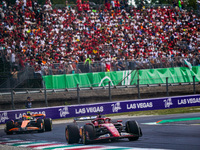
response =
{"points": [[182, 135]]}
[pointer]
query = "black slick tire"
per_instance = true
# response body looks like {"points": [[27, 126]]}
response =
{"points": [[132, 127], [9, 125], [40, 124], [72, 134], [88, 134], [48, 124]]}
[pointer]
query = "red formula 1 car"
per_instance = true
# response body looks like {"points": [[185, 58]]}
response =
{"points": [[101, 128], [29, 122]]}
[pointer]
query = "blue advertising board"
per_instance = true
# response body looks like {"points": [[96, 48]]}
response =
{"points": [[70, 111]]}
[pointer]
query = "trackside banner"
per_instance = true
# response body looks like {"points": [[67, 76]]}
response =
{"points": [[69, 111], [125, 77]]}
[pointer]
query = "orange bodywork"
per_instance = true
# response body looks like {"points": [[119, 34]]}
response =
{"points": [[81, 132], [32, 128], [34, 115], [24, 123], [14, 129]]}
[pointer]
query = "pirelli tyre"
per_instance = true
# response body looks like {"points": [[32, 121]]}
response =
{"points": [[48, 124], [88, 134], [40, 124], [9, 125], [72, 134], [133, 127]]}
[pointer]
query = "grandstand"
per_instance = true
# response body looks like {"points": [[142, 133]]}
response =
{"points": [[44, 40]]}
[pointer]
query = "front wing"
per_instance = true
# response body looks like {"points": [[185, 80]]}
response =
{"points": [[108, 136], [26, 129]]}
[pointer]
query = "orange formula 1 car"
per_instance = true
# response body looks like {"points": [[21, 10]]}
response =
{"points": [[28, 123], [101, 128]]}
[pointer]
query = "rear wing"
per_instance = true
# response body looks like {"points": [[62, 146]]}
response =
{"points": [[39, 115], [85, 118], [79, 119]]}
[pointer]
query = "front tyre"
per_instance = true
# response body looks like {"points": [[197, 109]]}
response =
{"points": [[88, 134], [133, 128], [40, 124], [72, 134], [48, 124], [9, 125]]}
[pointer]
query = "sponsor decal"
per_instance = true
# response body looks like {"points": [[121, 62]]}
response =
{"points": [[140, 105], [168, 102], [63, 111], [188, 101], [89, 110], [3, 117], [125, 134], [106, 77], [105, 108], [126, 77], [105, 135], [116, 107]]}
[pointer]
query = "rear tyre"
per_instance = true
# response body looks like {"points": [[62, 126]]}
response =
{"points": [[133, 127], [48, 124], [72, 134], [88, 134], [9, 125], [40, 124]]}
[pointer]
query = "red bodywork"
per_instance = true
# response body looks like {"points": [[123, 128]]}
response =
{"points": [[101, 128], [105, 123], [112, 129]]}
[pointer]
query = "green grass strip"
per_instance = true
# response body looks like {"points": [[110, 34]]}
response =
{"points": [[177, 120]]}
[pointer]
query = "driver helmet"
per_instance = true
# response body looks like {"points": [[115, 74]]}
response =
{"points": [[100, 121], [28, 113]]}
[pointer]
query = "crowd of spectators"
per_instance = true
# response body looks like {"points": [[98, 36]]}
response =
{"points": [[40, 36]]}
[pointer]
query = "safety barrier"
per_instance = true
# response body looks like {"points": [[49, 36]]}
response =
{"points": [[69, 111]]}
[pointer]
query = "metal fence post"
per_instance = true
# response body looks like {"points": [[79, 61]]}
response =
{"points": [[78, 94], [110, 98], [45, 93], [138, 86], [12, 99], [194, 88], [77, 68], [9, 83], [45, 96], [138, 83], [167, 86]]}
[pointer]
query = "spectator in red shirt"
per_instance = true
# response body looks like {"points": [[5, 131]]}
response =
{"points": [[87, 6], [84, 6], [107, 4], [61, 34], [80, 8]]}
